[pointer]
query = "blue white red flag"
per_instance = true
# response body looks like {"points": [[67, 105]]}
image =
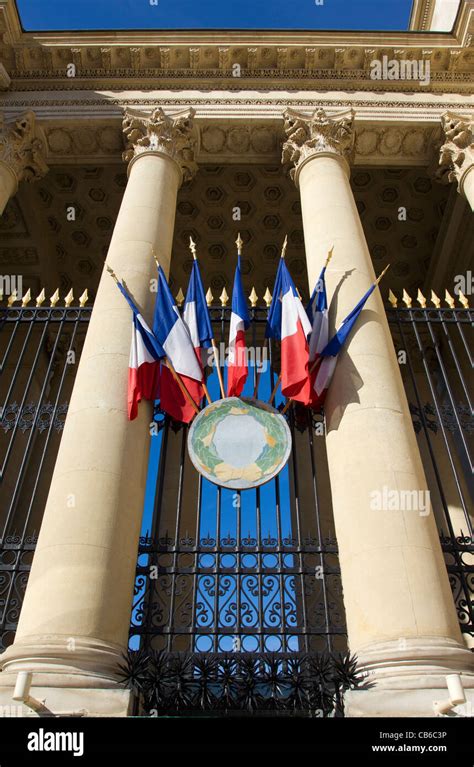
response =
{"points": [[290, 323], [144, 362], [237, 367], [172, 333], [328, 357], [196, 314], [317, 311]]}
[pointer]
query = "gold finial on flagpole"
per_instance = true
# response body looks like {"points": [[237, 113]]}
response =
{"points": [[381, 275], [180, 298], [284, 246], [393, 300], [329, 256], [192, 248], [112, 273], [239, 242], [153, 253]]}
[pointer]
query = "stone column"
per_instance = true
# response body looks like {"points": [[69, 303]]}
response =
{"points": [[401, 619], [21, 156], [75, 618], [457, 154]]}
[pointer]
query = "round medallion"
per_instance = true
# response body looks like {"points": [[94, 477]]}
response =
{"points": [[239, 443]]}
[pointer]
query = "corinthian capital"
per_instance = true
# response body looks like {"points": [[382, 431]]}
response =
{"points": [[457, 152], [21, 149], [163, 134], [318, 134]]}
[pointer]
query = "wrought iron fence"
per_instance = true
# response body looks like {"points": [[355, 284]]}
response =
{"points": [[266, 579], [255, 571], [39, 351], [435, 347]]}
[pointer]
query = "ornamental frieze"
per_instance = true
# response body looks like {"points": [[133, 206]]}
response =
{"points": [[261, 141]]}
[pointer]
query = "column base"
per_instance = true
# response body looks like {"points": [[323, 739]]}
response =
{"points": [[408, 675], [403, 703], [53, 697], [70, 677]]}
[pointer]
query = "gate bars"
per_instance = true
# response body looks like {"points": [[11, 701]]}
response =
{"points": [[434, 346], [260, 572], [39, 352]]}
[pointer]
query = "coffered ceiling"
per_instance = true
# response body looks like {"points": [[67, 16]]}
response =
{"points": [[38, 241]]}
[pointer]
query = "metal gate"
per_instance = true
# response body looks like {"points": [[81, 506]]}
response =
{"points": [[259, 571], [254, 571]]}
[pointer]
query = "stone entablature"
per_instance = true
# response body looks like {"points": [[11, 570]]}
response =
{"points": [[223, 140]]}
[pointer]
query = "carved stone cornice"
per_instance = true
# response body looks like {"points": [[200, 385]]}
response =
{"points": [[161, 134], [318, 134], [457, 152], [21, 149]]}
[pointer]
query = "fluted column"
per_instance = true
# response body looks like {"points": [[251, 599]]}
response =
{"points": [[401, 618], [457, 154], [75, 617], [21, 156]]}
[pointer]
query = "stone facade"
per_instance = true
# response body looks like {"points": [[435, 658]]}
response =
{"points": [[182, 108]]}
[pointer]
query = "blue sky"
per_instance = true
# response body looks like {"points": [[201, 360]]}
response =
{"points": [[38, 15]]}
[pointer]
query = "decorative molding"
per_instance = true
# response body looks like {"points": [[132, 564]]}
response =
{"points": [[21, 149], [163, 134], [457, 153], [224, 140], [318, 134]]}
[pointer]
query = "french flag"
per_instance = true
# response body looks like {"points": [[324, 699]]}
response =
{"points": [[326, 365], [237, 368], [317, 311], [196, 314], [172, 333], [144, 365], [288, 321]]}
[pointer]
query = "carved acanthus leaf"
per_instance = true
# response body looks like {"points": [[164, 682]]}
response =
{"points": [[22, 149], [306, 136], [164, 134], [457, 152]]}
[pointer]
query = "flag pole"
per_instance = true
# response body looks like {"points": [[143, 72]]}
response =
{"points": [[181, 385], [166, 360], [275, 389], [318, 360], [192, 248]]}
